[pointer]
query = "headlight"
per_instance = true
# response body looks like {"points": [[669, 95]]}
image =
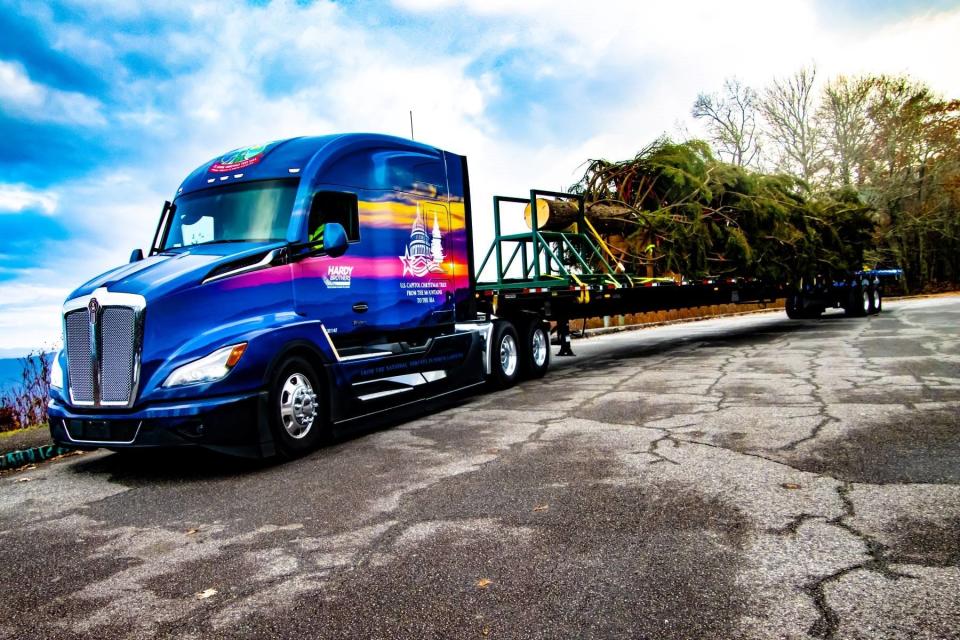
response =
{"points": [[56, 373], [207, 369]]}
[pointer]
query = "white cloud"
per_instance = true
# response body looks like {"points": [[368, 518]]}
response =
{"points": [[344, 76], [15, 198], [22, 97], [29, 318]]}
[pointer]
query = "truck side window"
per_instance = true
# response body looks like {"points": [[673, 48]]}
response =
{"points": [[334, 206]]}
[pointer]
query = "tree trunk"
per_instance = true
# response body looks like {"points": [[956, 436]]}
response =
{"points": [[556, 215]]}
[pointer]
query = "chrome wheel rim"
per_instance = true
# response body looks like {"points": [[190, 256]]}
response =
{"points": [[538, 348], [876, 298], [866, 299], [298, 406], [508, 355]]}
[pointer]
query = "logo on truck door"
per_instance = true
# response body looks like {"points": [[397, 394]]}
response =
{"points": [[338, 276], [424, 253]]}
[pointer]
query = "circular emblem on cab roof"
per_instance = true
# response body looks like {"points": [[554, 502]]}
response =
{"points": [[239, 159]]}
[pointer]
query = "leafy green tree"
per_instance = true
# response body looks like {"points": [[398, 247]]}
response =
{"points": [[911, 177]]}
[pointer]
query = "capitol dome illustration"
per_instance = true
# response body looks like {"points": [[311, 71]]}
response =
{"points": [[424, 253]]}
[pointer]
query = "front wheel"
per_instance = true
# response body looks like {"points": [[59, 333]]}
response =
{"points": [[297, 416], [505, 355]]}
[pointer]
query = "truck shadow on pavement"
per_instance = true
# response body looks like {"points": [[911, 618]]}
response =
{"points": [[187, 464], [775, 328], [169, 465]]}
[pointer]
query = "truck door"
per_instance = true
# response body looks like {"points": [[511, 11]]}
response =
{"points": [[397, 276], [324, 287]]}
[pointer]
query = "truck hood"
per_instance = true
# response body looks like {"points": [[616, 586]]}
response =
{"points": [[165, 273]]}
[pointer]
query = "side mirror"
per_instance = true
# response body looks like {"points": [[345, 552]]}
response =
{"points": [[137, 255], [334, 239]]}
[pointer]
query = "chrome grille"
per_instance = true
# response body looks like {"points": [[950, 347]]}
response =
{"points": [[103, 333], [80, 364], [117, 328]]}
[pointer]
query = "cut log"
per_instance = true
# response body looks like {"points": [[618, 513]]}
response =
{"points": [[556, 215], [552, 215]]}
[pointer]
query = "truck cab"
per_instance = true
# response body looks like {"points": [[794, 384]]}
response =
{"points": [[290, 289]]}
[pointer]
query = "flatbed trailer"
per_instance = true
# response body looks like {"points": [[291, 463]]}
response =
{"points": [[559, 276]]}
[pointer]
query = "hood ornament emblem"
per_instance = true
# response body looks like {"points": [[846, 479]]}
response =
{"points": [[93, 308]]}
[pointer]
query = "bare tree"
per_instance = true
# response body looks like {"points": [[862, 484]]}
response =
{"points": [[844, 114], [790, 109], [731, 119], [26, 404]]}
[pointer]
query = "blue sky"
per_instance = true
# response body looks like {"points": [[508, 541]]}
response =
{"points": [[105, 106]]}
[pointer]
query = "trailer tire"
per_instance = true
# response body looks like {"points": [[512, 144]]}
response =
{"points": [[796, 311], [505, 355], [298, 421], [876, 304], [535, 348], [858, 301], [794, 306]]}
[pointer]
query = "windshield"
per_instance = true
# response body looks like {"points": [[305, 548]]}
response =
{"points": [[247, 212]]}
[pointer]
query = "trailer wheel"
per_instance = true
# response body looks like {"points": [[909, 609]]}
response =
{"points": [[535, 352], [794, 307], [796, 311], [297, 416], [858, 301], [505, 354], [876, 304]]}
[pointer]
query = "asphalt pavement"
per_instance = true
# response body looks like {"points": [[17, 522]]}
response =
{"points": [[748, 477]]}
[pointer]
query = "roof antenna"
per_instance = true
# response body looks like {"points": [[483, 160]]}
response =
{"points": [[411, 124]]}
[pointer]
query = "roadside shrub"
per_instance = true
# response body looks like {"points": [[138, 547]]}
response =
{"points": [[26, 404], [8, 418]]}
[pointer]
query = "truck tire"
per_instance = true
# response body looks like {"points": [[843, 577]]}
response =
{"points": [[535, 348], [858, 301], [796, 311], [794, 306], [297, 417], [876, 303], [505, 355]]}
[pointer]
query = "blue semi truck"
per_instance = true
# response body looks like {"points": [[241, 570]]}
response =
{"points": [[297, 289]]}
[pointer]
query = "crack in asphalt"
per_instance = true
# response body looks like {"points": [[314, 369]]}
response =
{"points": [[828, 621], [655, 444], [794, 524]]}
